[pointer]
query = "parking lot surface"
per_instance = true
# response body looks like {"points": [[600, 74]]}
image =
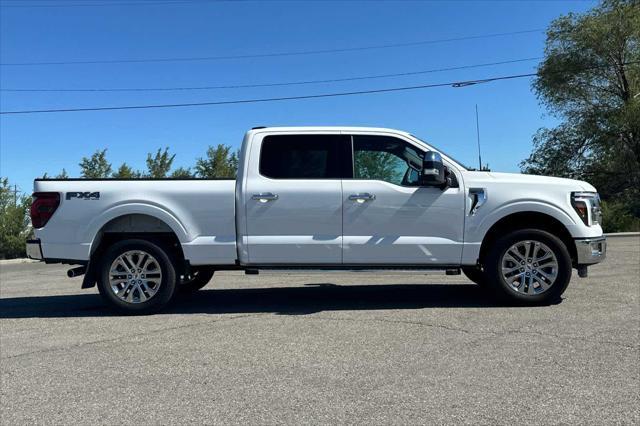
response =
{"points": [[370, 348]]}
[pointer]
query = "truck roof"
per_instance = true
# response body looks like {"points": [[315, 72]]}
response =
{"points": [[326, 128]]}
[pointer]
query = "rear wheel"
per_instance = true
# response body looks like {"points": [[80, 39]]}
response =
{"points": [[198, 278], [136, 277], [528, 266]]}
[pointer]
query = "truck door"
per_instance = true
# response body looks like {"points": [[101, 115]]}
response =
{"points": [[293, 198], [388, 218]]}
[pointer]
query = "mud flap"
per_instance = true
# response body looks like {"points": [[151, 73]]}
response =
{"points": [[90, 277]]}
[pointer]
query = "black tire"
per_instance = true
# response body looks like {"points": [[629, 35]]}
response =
{"points": [[167, 282], [493, 268], [475, 274], [200, 277]]}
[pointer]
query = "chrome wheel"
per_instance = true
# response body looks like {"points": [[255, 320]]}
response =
{"points": [[135, 276], [529, 267]]}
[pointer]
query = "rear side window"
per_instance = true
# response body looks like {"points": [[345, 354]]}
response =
{"points": [[305, 157]]}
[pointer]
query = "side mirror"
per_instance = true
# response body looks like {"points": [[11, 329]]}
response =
{"points": [[432, 173]]}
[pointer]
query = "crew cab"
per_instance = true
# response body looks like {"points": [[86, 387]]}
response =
{"points": [[345, 198]]}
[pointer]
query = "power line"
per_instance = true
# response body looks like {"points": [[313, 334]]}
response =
{"points": [[111, 1], [77, 3], [463, 83], [80, 3], [260, 1], [277, 54], [290, 83], [275, 99]]}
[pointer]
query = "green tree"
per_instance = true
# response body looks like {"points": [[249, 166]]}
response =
{"points": [[182, 172], [378, 165], [159, 164], [62, 175], [590, 80], [96, 166], [14, 223], [126, 172], [220, 162], [618, 218]]}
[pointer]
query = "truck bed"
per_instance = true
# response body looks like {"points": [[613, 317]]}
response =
{"points": [[200, 212]]}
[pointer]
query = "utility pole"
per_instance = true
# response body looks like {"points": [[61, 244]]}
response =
{"points": [[478, 137], [15, 193]]}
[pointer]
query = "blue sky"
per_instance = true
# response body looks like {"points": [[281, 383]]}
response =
{"points": [[37, 143]]}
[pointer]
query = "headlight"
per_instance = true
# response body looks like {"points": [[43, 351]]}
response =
{"points": [[587, 205]]}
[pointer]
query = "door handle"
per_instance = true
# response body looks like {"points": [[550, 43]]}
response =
{"points": [[361, 198], [264, 197]]}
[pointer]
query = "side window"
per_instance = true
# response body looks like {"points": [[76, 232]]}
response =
{"points": [[305, 157], [386, 158]]}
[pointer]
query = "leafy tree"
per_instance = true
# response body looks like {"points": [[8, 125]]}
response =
{"points": [[182, 172], [62, 175], [159, 164], [234, 159], [590, 80], [126, 172], [14, 223], [618, 218], [96, 166], [220, 162], [378, 165]]}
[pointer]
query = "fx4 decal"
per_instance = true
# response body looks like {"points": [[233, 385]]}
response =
{"points": [[83, 195]]}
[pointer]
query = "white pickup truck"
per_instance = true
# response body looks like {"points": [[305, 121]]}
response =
{"points": [[320, 198]]}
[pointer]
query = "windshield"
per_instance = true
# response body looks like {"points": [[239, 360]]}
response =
{"points": [[446, 155]]}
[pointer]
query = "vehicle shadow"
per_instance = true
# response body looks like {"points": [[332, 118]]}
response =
{"points": [[309, 299]]}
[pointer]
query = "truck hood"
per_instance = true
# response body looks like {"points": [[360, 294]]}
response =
{"points": [[518, 178]]}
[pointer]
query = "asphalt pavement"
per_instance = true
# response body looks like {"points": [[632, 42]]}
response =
{"points": [[364, 348]]}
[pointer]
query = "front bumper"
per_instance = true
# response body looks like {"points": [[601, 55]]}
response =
{"points": [[591, 250], [34, 250]]}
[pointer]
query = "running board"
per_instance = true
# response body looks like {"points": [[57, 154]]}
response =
{"points": [[325, 270]]}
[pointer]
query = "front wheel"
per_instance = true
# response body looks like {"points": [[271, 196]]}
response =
{"points": [[528, 266], [136, 277]]}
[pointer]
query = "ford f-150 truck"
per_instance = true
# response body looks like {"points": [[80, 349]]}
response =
{"points": [[320, 198]]}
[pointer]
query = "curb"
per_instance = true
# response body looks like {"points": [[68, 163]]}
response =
{"points": [[622, 234], [20, 260]]}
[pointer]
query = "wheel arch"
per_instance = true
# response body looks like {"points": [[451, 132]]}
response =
{"points": [[527, 220], [152, 215], [135, 226]]}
